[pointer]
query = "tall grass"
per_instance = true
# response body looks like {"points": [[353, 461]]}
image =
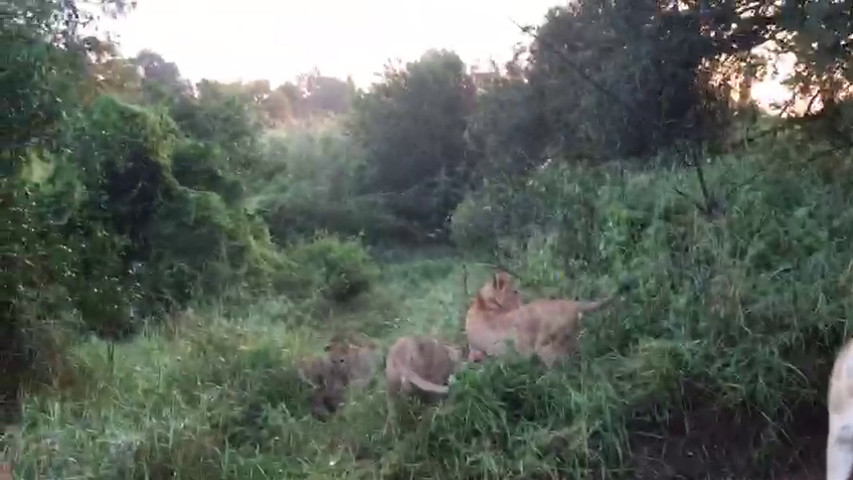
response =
{"points": [[217, 396], [715, 366]]}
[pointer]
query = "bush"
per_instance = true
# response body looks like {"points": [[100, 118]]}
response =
{"points": [[519, 208], [202, 166], [179, 239], [203, 247], [742, 315], [313, 180], [338, 269]]}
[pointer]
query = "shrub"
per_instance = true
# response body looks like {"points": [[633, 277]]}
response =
{"points": [[202, 166], [179, 239], [518, 208], [741, 315], [203, 247], [338, 269], [313, 180]]}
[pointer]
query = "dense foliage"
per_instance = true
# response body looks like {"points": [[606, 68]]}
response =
{"points": [[236, 225]]}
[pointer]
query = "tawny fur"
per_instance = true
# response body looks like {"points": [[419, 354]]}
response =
{"points": [[419, 366], [839, 442], [361, 360], [486, 326], [344, 366], [547, 328]]}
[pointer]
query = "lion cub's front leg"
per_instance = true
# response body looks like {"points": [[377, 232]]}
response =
{"points": [[389, 414], [839, 448], [394, 390], [545, 344]]}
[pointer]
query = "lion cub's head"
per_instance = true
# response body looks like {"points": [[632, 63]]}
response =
{"points": [[352, 354], [329, 381], [498, 295]]}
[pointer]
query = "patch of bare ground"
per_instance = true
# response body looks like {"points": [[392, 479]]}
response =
{"points": [[708, 443]]}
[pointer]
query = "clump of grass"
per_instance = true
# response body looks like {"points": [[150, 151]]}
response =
{"points": [[339, 269], [190, 406]]}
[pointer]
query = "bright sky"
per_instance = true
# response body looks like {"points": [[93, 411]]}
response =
{"points": [[278, 39]]}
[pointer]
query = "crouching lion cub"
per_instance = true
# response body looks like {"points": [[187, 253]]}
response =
{"points": [[418, 366], [344, 365], [328, 381], [839, 442]]}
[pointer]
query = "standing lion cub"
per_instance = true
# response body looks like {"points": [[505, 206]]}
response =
{"points": [[548, 328], [487, 324], [839, 442]]}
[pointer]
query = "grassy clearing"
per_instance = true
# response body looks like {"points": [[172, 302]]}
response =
{"points": [[713, 367], [217, 397]]}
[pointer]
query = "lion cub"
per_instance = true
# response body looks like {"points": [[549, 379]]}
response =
{"points": [[548, 328], [328, 380], [486, 325], [344, 365], [839, 442], [419, 366], [359, 357]]}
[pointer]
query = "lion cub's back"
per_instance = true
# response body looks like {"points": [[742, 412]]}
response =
{"points": [[532, 317], [424, 355], [398, 355], [436, 360], [365, 363]]}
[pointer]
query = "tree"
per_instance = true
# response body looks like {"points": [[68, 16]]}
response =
{"points": [[162, 81], [326, 95], [44, 63], [277, 108], [110, 73], [625, 78], [507, 129], [631, 77], [224, 124], [413, 128]]}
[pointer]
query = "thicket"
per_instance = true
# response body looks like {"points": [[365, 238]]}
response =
{"points": [[615, 150], [124, 195]]}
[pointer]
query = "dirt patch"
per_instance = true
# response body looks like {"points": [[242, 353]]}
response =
{"points": [[700, 442]]}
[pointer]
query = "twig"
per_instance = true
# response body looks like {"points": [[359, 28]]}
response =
{"points": [[465, 279], [467, 295], [500, 266], [688, 197], [700, 173], [712, 206]]}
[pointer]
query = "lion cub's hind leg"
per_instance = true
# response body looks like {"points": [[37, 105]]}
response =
{"points": [[839, 442]]}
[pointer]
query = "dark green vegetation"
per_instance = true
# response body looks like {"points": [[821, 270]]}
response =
{"points": [[169, 249]]}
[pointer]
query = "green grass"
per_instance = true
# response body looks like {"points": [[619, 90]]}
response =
{"points": [[220, 397], [714, 366]]}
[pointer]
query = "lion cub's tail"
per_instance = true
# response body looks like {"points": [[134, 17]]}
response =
{"points": [[593, 305], [412, 376]]}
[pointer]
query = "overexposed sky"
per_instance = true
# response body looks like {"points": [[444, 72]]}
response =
{"points": [[279, 39]]}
